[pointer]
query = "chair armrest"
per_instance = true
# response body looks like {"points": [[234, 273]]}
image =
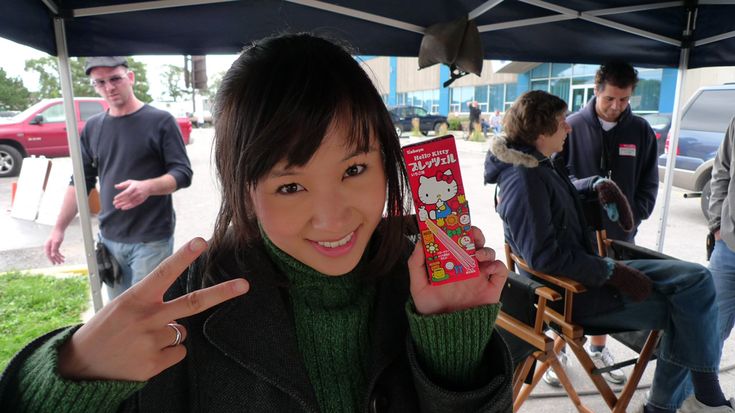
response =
{"points": [[563, 282], [622, 250], [524, 332], [548, 294]]}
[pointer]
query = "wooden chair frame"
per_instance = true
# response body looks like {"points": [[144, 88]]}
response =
{"points": [[545, 353], [573, 335]]}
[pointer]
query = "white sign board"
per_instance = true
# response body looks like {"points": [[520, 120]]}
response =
{"points": [[30, 188], [53, 197]]}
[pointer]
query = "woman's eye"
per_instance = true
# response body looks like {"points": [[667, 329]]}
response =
{"points": [[355, 170], [289, 189]]}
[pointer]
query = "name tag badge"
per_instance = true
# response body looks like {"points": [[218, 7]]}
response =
{"points": [[626, 149]]}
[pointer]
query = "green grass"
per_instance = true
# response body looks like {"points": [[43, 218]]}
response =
{"points": [[31, 305]]}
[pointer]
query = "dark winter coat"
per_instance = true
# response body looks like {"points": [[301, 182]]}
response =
{"points": [[243, 356], [544, 223], [627, 153]]}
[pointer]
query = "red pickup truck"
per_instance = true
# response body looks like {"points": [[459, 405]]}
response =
{"points": [[41, 130]]}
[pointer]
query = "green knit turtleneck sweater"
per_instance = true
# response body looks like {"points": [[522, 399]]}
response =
{"points": [[331, 314], [331, 320]]}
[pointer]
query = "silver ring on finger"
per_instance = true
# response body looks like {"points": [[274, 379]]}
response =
{"points": [[177, 340]]}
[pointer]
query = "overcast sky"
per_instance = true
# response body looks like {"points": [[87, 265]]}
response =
{"points": [[14, 56]]}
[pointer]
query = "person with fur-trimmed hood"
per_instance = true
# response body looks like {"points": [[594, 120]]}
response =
{"points": [[544, 224]]}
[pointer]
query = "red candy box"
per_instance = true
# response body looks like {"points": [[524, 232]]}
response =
{"points": [[442, 210]]}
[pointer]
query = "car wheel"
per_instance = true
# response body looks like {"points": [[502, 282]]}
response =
{"points": [[706, 192], [437, 128], [399, 132], [425, 132], [10, 161]]}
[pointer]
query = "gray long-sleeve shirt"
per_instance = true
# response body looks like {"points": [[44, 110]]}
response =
{"points": [[142, 145]]}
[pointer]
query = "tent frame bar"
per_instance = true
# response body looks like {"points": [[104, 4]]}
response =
{"points": [[75, 150], [603, 22], [373, 18], [633, 9], [144, 6], [482, 9], [51, 6], [524, 22], [716, 38]]}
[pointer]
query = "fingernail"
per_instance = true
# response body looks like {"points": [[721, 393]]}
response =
{"points": [[240, 286], [197, 244]]}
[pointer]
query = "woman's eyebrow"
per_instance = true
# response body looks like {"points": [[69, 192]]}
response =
{"points": [[281, 173], [358, 152], [293, 170]]}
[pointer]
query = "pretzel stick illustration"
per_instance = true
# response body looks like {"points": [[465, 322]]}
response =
{"points": [[459, 253]]}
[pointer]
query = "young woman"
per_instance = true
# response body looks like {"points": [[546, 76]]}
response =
{"points": [[310, 297], [544, 224]]}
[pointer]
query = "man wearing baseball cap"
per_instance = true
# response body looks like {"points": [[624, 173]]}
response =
{"points": [[138, 154]]}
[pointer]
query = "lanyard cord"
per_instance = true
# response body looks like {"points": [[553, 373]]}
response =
{"points": [[605, 158], [96, 157]]}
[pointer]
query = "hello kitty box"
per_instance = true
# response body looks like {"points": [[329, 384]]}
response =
{"points": [[442, 210]]}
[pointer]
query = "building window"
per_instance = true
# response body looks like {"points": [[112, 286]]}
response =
{"points": [[541, 71], [560, 87], [460, 97], [648, 91], [497, 97], [511, 93], [427, 99], [481, 97], [540, 85], [561, 70]]}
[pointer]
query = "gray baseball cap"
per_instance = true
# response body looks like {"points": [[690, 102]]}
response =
{"points": [[104, 61]]}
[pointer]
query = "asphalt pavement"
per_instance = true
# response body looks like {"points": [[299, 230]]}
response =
{"points": [[21, 247]]}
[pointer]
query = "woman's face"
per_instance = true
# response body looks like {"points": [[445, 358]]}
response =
{"points": [[324, 213]]}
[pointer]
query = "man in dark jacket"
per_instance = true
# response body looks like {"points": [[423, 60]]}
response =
{"points": [[608, 140]]}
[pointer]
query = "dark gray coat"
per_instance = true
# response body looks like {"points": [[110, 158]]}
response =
{"points": [[544, 222], [243, 355]]}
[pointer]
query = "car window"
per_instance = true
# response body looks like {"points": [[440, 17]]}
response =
{"points": [[710, 112], [87, 109], [421, 112], [656, 121], [54, 113]]}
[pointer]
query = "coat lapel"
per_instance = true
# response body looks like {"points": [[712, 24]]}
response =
{"points": [[256, 331]]}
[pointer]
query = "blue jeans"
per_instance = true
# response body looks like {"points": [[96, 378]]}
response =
{"points": [[136, 260], [682, 304], [722, 266]]}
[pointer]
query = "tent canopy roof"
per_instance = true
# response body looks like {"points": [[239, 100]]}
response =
{"points": [[644, 32]]}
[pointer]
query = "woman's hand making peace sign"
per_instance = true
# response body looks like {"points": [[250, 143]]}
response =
{"points": [[130, 338]]}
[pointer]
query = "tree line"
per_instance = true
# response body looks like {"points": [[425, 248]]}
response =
{"points": [[16, 97]]}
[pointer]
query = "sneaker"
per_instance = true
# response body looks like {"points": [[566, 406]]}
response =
{"points": [[692, 405], [550, 376], [604, 359]]}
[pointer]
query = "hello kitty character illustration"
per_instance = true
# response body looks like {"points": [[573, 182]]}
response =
{"points": [[437, 190]]}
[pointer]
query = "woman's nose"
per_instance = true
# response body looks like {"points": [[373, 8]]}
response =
{"points": [[330, 211]]}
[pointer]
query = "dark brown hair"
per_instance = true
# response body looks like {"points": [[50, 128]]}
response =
{"points": [[276, 103], [532, 114], [617, 73]]}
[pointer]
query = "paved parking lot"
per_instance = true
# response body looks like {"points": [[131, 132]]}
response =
{"points": [[21, 244]]}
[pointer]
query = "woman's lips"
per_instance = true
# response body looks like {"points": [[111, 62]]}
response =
{"points": [[338, 247]]}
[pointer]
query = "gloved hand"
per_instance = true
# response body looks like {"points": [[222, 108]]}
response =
{"points": [[630, 282], [614, 203]]}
